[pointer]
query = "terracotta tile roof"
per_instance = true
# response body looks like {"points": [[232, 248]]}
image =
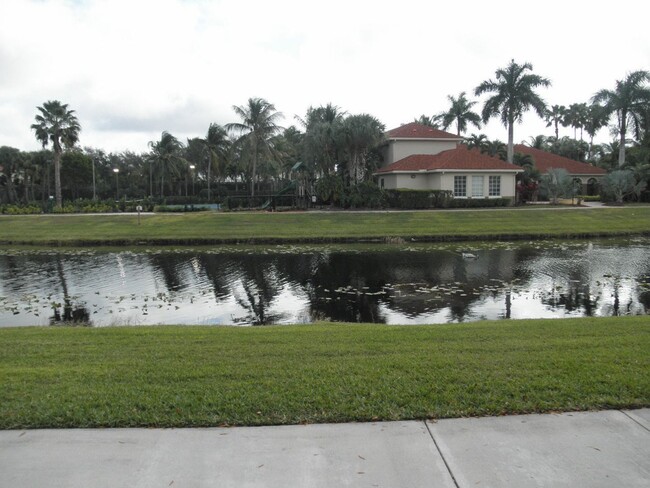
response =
{"points": [[460, 158], [545, 160], [419, 131]]}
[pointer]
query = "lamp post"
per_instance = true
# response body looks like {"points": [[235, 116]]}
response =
{"points": [[192, 168], [117, 183]]}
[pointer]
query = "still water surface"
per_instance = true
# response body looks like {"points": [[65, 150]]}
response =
{"points": [[402, 284]]}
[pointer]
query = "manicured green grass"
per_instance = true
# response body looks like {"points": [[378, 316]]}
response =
{"points": [[203, 376], [326, 226]]}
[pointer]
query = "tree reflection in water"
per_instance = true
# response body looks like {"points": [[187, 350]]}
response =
{"points": [[383, 284]]}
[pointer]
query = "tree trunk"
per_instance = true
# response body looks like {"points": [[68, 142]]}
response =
{"points": [[209, 165], [254, 168], [621, 148], [511, 138], [57, 179]]}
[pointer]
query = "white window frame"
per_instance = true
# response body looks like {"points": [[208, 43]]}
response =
{"points": [[457, 186], [477, 189], [494, 185]]}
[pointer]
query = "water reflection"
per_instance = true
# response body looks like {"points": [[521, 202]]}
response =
{"points": [[383, 284]]}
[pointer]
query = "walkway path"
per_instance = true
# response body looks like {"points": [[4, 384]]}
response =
{"points": [[595, 449]]}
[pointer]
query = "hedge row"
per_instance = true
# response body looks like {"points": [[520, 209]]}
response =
{"points": [[417, 199]]}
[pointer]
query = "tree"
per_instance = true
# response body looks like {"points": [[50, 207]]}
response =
{"points": [[57, 125], [428, 121], [620, 184], [476, 140], [323, 143], [77, 172], [630, 101], [460, 113], [361, 133], [11, 160], [538, 142], [258, 126], [556, 183], [216, 145], [165, 154], [495, 148], [596, 119], [554, 116], [575, 116], [514, 94]]}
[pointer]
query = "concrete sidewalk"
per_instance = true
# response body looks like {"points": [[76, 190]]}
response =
{"points": [[595, 449]]}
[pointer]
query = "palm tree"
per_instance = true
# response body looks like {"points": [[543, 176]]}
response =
{"points": [[629, 100], [428, 121], [165, 153], [513, 95], [538, 142], [554, 116], [58, 125], [575, 116], [216, 145], [322, 143], [258, 126], [595, 120], [476, 140], [459, 113], [495, 148], [361, 133]]}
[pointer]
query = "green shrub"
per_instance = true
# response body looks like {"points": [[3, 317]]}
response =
{"points": [[417, 199], [480, 202], [590, 198], [20, 209], [364, 195]]}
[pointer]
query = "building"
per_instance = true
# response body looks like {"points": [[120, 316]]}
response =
{"points": [[419, 157], [587, 174]]}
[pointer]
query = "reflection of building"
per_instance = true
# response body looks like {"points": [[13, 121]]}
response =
{"points": [[418, 157], [588, 175]]}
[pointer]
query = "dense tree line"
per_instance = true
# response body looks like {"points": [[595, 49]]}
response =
{"points": [[255, 156]]}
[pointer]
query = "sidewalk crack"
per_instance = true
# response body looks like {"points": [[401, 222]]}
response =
{"points": [[634, 420], [453, 478]]}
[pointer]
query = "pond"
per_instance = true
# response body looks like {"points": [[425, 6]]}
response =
{"points": [[395, 284]]}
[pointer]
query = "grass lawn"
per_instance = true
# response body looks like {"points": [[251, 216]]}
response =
{"points": [[211, 227], [208, 376]]}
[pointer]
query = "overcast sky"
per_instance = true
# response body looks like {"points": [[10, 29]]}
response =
{"points": [[134, 68]]}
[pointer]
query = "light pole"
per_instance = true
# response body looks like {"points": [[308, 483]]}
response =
{"points": [[192, 169], [117, 183]]}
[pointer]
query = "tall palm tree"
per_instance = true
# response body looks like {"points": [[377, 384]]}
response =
{"points": [[258, 126], [216, 145], [595, 120], [361, 133], [165, 154], [576, 116], [322, 143], [459, 113], [554, 116], [58, 125], [514, 94], [629, 100]]}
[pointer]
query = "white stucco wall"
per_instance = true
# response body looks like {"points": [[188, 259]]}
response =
{"points": [[422, 181], [445, 181], [399, 149], [508, 182]]}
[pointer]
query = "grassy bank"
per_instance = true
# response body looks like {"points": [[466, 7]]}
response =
{"points": [[327, 226], [201, 376]]}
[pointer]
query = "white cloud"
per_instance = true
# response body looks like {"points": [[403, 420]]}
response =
{"points": [[133, 68]]}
